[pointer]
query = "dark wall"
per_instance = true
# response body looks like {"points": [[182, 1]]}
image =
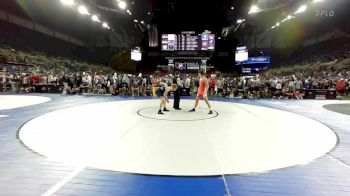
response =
{"points": [[52, 15], [28, 40]]}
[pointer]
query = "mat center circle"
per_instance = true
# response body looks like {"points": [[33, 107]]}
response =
{"points": [[177, 115], [242, 139]]}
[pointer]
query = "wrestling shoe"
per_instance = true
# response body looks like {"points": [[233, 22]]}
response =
{"points": [[210, 112], [166, 110], [160, 112], [193, 110], [177, 108]]}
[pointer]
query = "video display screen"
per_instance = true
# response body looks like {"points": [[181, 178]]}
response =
{"points": [[247, 70], [136, 55], [257, 56], [241, 54], [188, 42], [258, 60]]}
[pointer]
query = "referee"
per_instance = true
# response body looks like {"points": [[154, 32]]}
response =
{"points": [[177, 80]]}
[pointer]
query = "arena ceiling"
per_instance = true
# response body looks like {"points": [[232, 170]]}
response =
{"points": [[173, 16], [53, 14], [321, 15], [190, 15], [180, 15]]}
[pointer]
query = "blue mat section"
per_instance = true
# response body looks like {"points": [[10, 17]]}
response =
{"points": [[23, 172], [95, 182]]}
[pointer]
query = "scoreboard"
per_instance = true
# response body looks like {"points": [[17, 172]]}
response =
{"points": [[188, 42]]}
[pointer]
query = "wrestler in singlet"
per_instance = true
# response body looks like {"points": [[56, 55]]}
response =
{"points": [[202, 91], [201, 88]]}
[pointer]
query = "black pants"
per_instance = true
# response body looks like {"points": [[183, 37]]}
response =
{"points": [[177, 98]]}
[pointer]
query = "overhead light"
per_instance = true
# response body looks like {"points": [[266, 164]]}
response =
{"points": [[136, 20], [128, 12], [316, 1], [83, 10], [273, 27], [277, 24], [149, 13], [219, 37], [254, 9], [142, 22], [288, 18], [95, 18], [105, 25], [301, 9], [232, 8], [132, 2], [122, 5], [67, 2], [239, 21]]}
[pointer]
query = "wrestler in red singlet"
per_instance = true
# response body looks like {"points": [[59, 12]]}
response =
{"points": [[202, 91], [201, 88]]}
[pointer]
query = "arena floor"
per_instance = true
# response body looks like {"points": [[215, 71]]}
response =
{"points": [[104, 145]]}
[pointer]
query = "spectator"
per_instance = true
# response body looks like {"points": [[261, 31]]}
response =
{"points": [[341, 86]]}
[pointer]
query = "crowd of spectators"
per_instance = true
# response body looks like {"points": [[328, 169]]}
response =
{"points": [[254, 86], [22, 74], [327, 51]]}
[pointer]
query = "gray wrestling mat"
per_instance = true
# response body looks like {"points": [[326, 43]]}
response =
{"points": [[340, 108]]}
